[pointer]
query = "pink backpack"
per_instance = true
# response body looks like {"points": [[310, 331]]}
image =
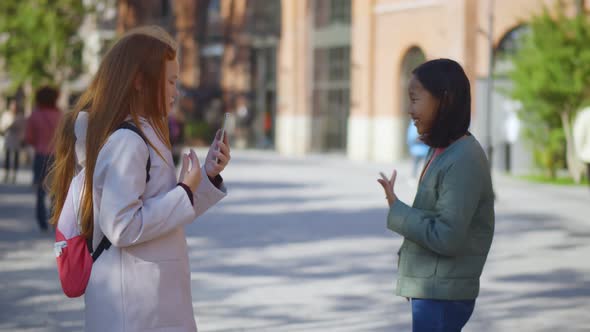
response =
{"points": [[72, 250]]}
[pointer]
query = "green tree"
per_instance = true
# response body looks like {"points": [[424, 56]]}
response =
{"points": [[39, 40], [551, 78]]}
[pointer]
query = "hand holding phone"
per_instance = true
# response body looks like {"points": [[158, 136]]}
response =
{"points": [[225, 120], [219, 152]]}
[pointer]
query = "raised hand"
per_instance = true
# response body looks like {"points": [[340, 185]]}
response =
{"points": [[190, 173], [389, 186]]}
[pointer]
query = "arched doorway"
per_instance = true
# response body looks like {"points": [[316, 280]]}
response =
{"points": [[510, 152], [412, 59], [509, 44]]}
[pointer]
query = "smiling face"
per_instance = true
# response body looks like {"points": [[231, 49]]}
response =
{"points": [[171, 80], [423, 106]]}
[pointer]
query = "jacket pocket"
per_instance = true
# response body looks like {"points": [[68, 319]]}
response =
{"points": [[417, 265], [461, 267], [155, 295]]}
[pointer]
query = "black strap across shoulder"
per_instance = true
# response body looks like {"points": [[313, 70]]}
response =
{"points": [[133, 128], [105, 244]]}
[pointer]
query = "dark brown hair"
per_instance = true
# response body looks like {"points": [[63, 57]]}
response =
{"points": [[445, 80], [46, 97]]}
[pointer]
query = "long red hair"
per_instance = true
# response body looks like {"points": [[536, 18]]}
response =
{"points": [[112, 96]]}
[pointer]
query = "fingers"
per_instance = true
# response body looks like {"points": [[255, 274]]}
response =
{"points": [[215, 145], [217, 168], [391, 180], [222, 158], [194, 160], [185, 162], [217, 136], [223, 154], [184, 167], [224, 148]]}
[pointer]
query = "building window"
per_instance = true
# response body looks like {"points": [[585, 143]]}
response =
{"points": [[328, 12], [339, 63], [332, 66], [331, 94], [340, 11], [271, 73]]}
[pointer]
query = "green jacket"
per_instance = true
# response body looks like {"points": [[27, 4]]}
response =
{"points": [[449, 228]]}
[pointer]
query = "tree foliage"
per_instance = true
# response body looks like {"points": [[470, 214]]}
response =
{"points": [[39, 40], [551, 78]]}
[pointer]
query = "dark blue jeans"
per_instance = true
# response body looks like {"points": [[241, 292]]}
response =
{"points": [[41, 165], [440, 315]]}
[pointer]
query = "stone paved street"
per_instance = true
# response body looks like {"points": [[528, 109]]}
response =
{"points": [[301, 245]]}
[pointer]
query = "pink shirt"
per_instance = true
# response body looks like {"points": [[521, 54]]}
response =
{"points": [[41, 127], [436, 153]]}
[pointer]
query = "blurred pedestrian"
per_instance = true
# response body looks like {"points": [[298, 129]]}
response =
{"points": [[418, 150], [449, 228], [582, 138], [267, 138], [511, 132], [12, 126], [133, 204], [39, 133]]}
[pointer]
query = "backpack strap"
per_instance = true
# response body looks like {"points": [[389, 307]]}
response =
{"points": [[105, 244], [128, 125]]}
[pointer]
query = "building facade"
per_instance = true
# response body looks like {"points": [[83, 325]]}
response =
{"points": [[361, 108], [227, 56]]}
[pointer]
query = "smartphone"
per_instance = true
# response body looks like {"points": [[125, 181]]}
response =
{"points": [[224, 124], [225, 120]]}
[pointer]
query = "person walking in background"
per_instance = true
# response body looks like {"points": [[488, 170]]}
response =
{"points": [[418, 150], [39, 133], [449, 228], [132, 198], [12, 125], [582, 138]]}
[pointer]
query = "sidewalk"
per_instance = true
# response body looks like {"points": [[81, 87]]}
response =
{"points": [[31, 294], [301, 245]]}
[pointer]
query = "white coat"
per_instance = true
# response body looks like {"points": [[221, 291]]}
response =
{"points": [[142, 283]]}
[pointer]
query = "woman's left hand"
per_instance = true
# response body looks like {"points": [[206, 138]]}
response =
{"points": [[218, 156], [389, 186]]}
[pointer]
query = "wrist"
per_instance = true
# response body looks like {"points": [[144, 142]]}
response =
{"points": [[209, 173], [216, 180], [391, 200], [188, 191]]}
